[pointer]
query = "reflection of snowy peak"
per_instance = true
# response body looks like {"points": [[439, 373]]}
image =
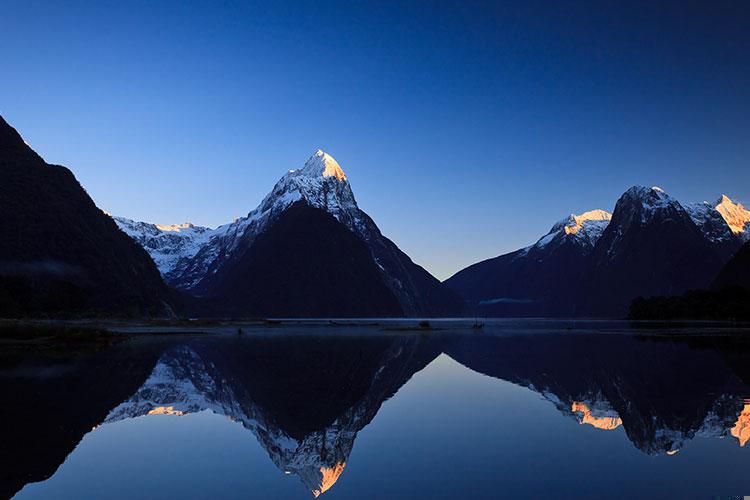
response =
{"points": [[729, 416], [185, 381], [180, 383]]}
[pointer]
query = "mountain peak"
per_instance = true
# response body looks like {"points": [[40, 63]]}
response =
{"points": [[641, 192], [321, 164], [736, 215], [584, 228]]}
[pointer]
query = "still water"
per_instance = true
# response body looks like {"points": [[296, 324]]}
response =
{"points": [[527, 410]]}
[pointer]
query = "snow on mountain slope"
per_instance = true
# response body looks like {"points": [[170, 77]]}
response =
{"points": [[320, 182], [167, 245], [202, 266], [710, 221], [584, 229]]}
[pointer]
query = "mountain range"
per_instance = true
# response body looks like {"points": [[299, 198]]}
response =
{"points": [[308, 250], [597, 263]]}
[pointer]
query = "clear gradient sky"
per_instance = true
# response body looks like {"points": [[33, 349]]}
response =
{"points": [[466, 129]]}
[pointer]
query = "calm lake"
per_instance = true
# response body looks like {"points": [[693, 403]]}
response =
{"points": [[520, 409]]}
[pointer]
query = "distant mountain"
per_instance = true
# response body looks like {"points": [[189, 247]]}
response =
{"points": [[306, 250], [725, 224], [651, 247], [596, 264], [59, 254], [167, 245], [542, 279]]}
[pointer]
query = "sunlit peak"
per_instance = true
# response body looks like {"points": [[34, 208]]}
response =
{"points": [[330, 476], [741, 429], [578, 220], [736, 216], [323, 164], [587, 417]]}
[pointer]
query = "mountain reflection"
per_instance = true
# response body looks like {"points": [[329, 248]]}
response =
{"points": [[303, 398], [663, 393], [306, 397]]}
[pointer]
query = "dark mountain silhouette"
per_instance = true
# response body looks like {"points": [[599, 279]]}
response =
{"points": [[304, 264], [545, 279], [59, 254], [591, 265], [271, 263], [651, 247]]}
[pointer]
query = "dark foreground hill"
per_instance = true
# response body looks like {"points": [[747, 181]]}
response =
{"points": [[60, 255]]}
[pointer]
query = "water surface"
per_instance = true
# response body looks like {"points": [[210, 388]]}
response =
{"points": [[519, 410]]}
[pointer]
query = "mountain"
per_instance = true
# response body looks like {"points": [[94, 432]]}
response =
{"points": [[596, 263], [542, 279], [59, 254], [736, 216], [306, 250], [722, 223], [651, 247], [167, 245]]}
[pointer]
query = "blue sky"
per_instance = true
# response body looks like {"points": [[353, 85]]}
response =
{"points": [[467, 129]]}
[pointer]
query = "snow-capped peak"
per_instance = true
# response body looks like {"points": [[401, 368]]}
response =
{"points": [[648, 201], [654, 197], [320, 183], [736, 216], [321, 164]]}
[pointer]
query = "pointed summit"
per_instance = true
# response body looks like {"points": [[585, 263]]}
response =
{"points": [[736, 216], [321, 164]]}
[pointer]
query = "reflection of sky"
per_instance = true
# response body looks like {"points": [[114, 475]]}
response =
{"points": [[466, 128], [447, 433]]}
